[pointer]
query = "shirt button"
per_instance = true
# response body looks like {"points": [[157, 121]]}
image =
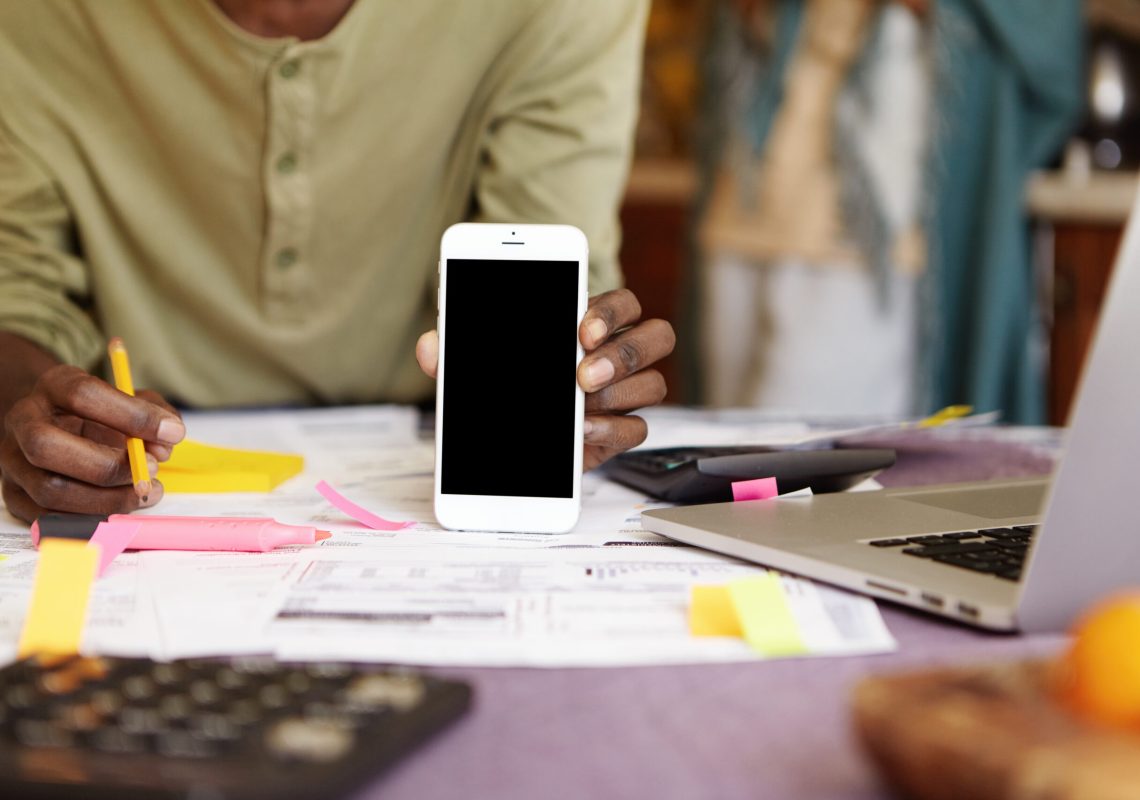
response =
{"points": [[289, 69], [286, 257], [287, 163]]}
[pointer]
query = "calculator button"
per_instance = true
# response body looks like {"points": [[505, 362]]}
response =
{"points": [[42, 733], [139, 687], [78, 717], [21, 695], [243, 712], [107, 701], [114, 740], [329, 670], [255, 665], [377, 691], [215, 728], [175, 707], [298, 682], [273, 696], [297, 739], [204, 692], [231, 679], [168, 674], [142, 721], [180, 744]]}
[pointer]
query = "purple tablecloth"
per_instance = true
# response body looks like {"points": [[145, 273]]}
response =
{"points": [[773, 730]]}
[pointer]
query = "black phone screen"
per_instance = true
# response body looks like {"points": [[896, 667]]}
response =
{"points": [[510, 350]]}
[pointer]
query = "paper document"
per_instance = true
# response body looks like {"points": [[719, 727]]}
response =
{"points": [[607, 593], [552, 608]]}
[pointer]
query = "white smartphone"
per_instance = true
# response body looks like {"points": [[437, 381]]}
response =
{"points": [[508, 413]]}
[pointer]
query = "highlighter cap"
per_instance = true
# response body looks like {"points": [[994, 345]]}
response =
{"points": [[65, 526]]}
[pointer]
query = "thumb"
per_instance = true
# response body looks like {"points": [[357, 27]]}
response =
{"points": [[427, 353]]}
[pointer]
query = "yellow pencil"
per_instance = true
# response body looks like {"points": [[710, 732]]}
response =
{"points": [[121, 369]]}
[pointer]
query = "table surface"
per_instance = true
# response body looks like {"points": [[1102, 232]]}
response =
{"points": [[774, 729]]}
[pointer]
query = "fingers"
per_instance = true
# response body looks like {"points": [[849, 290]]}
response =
{"points": [[427, 353], [607, 436], [57, 493], [626, 353], [616, 433], [646, 388], [18, 503], [72, 390], [607, 314], [594, 457], [616, 374], [63, 445], [157, 449], [36, 443]]}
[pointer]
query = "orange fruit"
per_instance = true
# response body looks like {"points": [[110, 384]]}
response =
{"points": [[1100, 675]]}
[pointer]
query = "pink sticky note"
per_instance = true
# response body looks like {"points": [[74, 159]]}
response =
{"points": [[112, 538], [758, 489], [361, 515]]}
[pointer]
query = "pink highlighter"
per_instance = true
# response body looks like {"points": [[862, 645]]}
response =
{"points": [[234, 534]]}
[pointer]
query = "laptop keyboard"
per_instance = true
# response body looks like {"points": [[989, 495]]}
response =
{"points": [[996, 551]]}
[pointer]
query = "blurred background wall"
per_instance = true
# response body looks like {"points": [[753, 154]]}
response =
{"points": [[854, 205]]}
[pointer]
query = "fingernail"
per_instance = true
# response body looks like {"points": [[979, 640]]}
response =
{"points": [[151, 465], [596, 332], [587, 427], [598, 373], [171, 431]]}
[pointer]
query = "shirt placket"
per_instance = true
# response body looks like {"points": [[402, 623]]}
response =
{"points": [[286, 259]]}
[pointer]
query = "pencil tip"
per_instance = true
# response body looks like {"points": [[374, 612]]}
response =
{"points": [[142, 489], [322, 535]]}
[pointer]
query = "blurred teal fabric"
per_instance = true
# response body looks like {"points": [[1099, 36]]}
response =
{"points": [[1009, 94], [1007, 91]]}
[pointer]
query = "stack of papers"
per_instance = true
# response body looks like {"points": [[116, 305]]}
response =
{"points": [[606, 594]]}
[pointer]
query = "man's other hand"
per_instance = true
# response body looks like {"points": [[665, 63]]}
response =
{"points": [[616, 374], [64, 445]]}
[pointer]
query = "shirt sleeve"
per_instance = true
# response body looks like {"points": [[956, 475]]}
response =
{"points": [[43, 282], [560, 136]]}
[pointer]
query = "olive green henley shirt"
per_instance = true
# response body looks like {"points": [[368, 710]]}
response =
{"points": [[259, 218]]}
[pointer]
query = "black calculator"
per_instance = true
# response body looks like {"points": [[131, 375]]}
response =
{"points": [[706, 474], [239, 728]]}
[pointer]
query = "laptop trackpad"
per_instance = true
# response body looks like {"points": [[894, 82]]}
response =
{"points": [[998, 502]]}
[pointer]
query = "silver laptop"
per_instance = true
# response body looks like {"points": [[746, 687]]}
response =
{"points": [[992, 564]]}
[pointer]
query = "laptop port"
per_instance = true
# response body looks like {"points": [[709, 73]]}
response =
{"points": [[884, 587], [933, 600], [967, 610]]}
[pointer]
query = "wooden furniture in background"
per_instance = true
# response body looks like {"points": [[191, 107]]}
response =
{"points": [[655, 227], [658, 205], [1087, 218]]}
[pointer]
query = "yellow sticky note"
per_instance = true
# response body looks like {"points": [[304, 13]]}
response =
{"points": [[711, 612], [60, 594], [765, 617], [944, 416], [196, 468]]}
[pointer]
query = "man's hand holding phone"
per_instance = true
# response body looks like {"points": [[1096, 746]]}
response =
{"points": [[617, 373], [64, 445]]}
